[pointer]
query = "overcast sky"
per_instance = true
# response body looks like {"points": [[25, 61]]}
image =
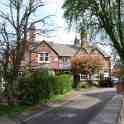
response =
{"points": [[53, 7]]}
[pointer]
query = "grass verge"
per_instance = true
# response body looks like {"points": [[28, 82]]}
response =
{"points": [[12, 111]]}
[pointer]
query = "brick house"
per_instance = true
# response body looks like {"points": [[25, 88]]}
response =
{"points": [[57, 57]]}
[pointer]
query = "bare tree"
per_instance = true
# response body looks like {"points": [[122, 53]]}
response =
{"points": [[18, 17]]}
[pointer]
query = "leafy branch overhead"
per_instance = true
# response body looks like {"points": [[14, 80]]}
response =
{"points": [[98, 15]]}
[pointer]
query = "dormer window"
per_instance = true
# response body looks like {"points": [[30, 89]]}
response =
{"points": [[43, 57]]}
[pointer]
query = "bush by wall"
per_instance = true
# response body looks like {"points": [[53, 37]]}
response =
{"points": [[64, 83], [39, 86]]}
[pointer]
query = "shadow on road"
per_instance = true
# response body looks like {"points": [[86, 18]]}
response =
{"points": [[74, 112]]}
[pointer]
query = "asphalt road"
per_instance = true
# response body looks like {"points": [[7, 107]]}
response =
{"points": [[79, 111]]}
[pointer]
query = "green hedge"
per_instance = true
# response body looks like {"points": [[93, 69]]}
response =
{"points": [[64, 83], [41, 86]]}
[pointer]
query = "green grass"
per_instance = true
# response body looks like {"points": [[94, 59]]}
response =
{"points": [[85, 86], [58, 98], [11, 111]]}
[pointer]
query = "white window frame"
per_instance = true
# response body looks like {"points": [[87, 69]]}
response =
{"points": [[83, 77], [44, 57], [65, 60]]}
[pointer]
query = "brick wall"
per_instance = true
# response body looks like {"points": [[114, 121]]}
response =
{"points": [[53, 61], [57, 62]]}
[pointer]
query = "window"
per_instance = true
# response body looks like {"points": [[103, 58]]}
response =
{"points": [[65, 59], [83, 76], [43, 57]]}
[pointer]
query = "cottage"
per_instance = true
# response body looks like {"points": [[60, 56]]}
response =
{"points": [[57, 57]]}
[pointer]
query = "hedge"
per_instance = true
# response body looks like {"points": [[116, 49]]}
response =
{"points": [[40, 86]]}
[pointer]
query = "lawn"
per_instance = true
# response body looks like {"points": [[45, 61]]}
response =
{"points": [[12, 111]]}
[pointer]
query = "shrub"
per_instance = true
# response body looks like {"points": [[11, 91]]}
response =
{"points": [[35, 86], [64, 83], [85, 84], [25, 88], [41, 85], [45, 84]]}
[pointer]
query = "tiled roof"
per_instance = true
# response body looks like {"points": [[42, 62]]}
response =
{"points": [[67, 50], [34, 45], [102, 52], [64, 50]]}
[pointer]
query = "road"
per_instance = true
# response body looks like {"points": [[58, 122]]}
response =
{"points": [[78, 111]]}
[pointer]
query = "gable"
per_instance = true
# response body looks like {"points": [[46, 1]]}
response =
{"points": [[81, 52], [36, 55], [98, 53], [102, 52], [60, 49], [44, 46]]}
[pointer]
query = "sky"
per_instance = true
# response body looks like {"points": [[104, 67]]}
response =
{"points": [[57, 22], [66, 37], [52, 7], [61, 35]]}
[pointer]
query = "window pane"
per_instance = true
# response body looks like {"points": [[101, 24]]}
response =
{"points": [[46, 58], [41, 58], [46, 54], [41, 54]]}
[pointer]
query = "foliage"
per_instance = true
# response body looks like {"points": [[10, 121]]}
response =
{"points": [[98, 15], [118, 71], [64, 83], [14, 43], [57, 98], [35, 86], [85, 85], [106, 83], [86, 64], [40, 86], [11, 111]]}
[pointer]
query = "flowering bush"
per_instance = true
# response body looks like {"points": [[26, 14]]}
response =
{"points": [[86, 64]]}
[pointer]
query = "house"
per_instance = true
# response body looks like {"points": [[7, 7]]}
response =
{"points": [[57, 57]]}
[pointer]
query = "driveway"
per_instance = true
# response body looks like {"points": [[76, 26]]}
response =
{"points": [[78, 111]]}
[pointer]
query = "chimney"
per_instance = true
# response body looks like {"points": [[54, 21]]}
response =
{"points": [[83, 37], [76, 42], [83, 43]]}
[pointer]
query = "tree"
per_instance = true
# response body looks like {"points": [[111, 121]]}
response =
{"points": [[98, 15], [87, 64], [19, 19]]}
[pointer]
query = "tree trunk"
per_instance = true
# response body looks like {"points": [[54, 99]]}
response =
{"points": [[10, 90], [76, 80]]}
